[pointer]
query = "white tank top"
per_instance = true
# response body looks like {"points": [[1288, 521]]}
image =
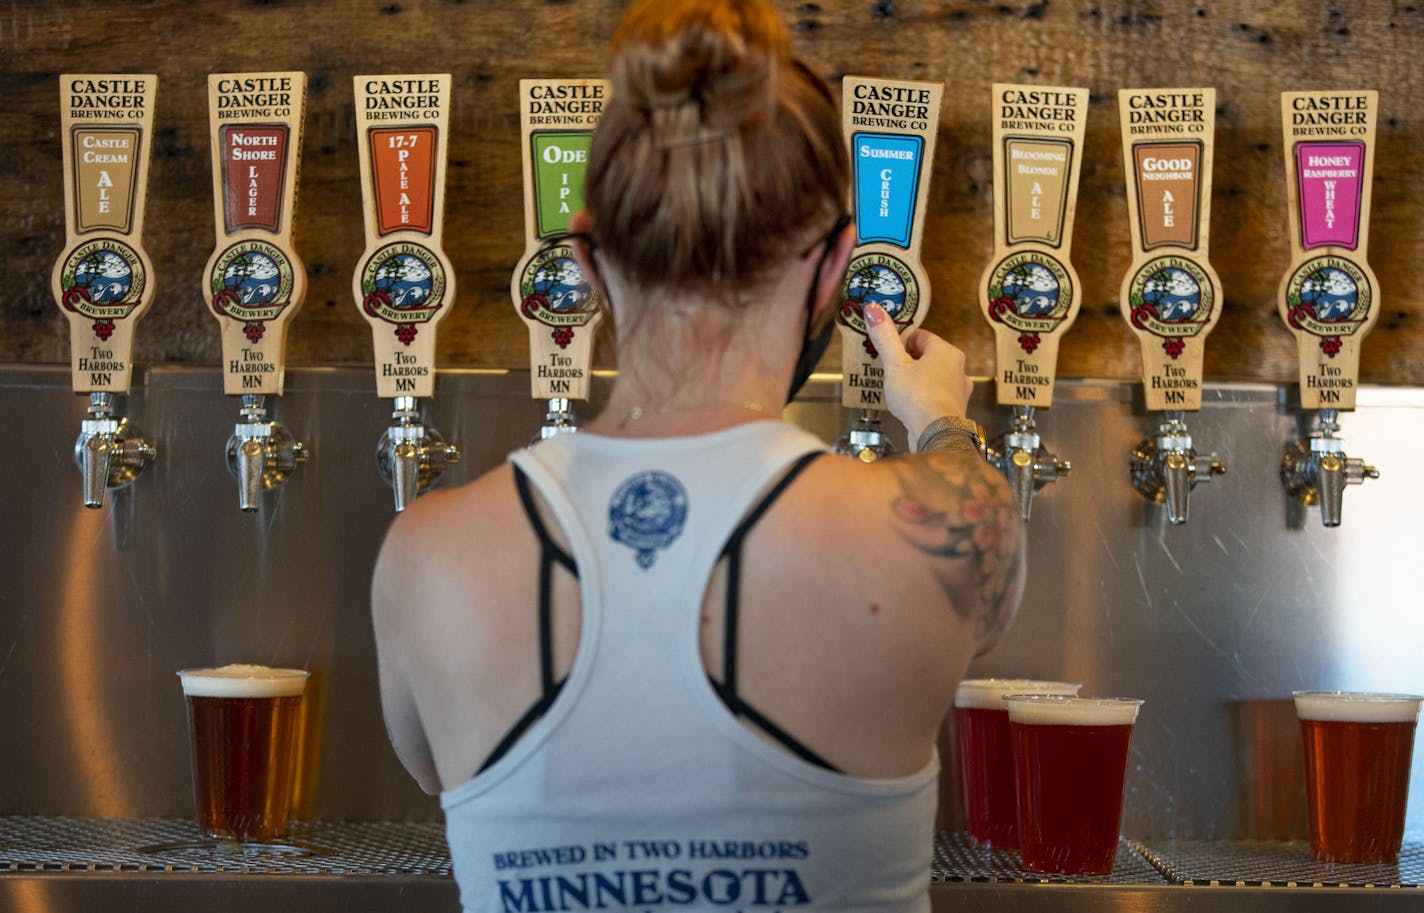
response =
{"points": [[637, 789]]}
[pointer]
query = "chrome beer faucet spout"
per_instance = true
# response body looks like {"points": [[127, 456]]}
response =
{"points": [[261, 454], [1316, 470], [558, 420], [1166, 468], [110, 451], [411, 456], [1020, 455], [865, 440]]}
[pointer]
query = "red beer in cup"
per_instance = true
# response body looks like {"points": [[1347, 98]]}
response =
{"points": [[1070, 761], [1358, 749], [242, 724], [986, 761]]}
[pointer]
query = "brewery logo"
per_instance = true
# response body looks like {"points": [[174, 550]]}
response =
{"points": [[1171, 298], [1328, 297], [878, 279], [552, 291], [1030, 292], [403, 284], [103, 279], [646, 513], [251, 281]]}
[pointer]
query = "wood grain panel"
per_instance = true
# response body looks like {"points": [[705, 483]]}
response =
{"points": [[1249, 51]]}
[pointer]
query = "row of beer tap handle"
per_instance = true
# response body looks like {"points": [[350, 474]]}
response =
{"points": [[411, 456]]}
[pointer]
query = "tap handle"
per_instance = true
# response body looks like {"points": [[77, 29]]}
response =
{"points": [[1332, 488], [1177, 484], [97, 449], [251, 458], [1021, 480], [405, 472]]}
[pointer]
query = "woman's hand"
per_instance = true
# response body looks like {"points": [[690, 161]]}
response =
{"points": [[924, 374]]}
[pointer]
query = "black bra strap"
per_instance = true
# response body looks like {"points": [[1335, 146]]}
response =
{"points": [[540, 707], [732, 554]]}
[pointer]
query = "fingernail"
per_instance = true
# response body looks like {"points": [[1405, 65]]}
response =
{"points": [[874, 314]]}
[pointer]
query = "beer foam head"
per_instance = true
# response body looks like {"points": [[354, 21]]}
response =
{"points": [[1357, 707], [241, 680], [1069, 710], [988, 693]]}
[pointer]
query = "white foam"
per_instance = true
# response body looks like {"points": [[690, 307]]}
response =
{"points": [[1067, 710], [241, 680], [988, 693], [1357, 707]]}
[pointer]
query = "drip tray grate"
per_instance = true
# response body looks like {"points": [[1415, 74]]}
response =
{"points": [[958, 858], [1253, 864], [155, 845]]}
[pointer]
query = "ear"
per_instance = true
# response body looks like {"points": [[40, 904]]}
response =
{"points": [[580, 224], [832, 276]]}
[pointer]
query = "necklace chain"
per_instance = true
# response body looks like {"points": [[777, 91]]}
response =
{"points": [[638, 411]]}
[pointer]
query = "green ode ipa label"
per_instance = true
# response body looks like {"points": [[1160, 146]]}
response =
{"points": [[560, 160]]}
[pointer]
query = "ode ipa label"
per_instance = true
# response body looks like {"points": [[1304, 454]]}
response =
{"points": [[1030, 292], [1329, 298], [255, 282], [550, 292], [1170, 297], [890, 127], [103, 282], [405, 284]]}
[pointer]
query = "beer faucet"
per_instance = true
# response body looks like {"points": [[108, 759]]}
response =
{"points": [[1316, 470], [110, 451], [411, 456], [865, 440], [1165, 469], [1020, 455], [261, 454], [558, 420]]}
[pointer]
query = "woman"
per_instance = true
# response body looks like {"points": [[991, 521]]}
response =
{"points": [[684, 658]]}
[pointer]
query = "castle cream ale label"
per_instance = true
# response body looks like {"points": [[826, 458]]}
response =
{"points": [[1170, 295], [255, 282], [550, 292], [404, 284], [1029, 292], [1329, 296], [890, 127], [103, 282]]}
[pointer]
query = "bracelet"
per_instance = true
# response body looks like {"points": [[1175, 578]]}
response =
{"points": [[945, 431]]}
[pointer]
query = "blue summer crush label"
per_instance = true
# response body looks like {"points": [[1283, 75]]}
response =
{"points": [[887, 176]]}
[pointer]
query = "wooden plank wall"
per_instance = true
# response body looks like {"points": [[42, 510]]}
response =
{"points": [[1250, 50]]}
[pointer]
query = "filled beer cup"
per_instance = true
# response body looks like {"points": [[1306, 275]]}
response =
{"points": [[242, 727], [1070, 761], [986, 761], [1358, 749]]}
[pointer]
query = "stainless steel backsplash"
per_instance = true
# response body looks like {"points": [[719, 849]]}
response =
{"points": [[1214, 623]]}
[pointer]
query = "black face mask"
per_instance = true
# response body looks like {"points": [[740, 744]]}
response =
{"points": [[812, 348]]}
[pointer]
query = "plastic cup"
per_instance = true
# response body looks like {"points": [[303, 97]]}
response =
{"points": [[1358, 748], [242, 727], [1070, 761], [986, 760]]}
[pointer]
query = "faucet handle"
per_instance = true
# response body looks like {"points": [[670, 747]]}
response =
{"points": [[1177, 473], [250, 458], [411, 457], [94, 450], [405, 475], [1331, 485]]}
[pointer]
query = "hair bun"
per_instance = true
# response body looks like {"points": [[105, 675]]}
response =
{"points": [[699, 63]]}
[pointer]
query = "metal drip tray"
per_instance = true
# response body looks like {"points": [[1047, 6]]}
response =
{"points": [[957, 858], [1280, 865]]}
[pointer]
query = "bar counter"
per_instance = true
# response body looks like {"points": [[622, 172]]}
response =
{"points": [[154, 864]]}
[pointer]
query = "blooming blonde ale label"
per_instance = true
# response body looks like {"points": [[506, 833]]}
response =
{"points": [[404, 284], [1329, 297], [1170, 295], [254, 281], [550, 292], [890, 127], [1029, 292]]}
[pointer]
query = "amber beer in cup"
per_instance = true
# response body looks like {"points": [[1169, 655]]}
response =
{"points": [[986, 760], [1070, 760], [1358, 749], [242, 726]]}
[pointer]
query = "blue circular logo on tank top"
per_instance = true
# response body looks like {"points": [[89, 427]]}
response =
{"points": [[647, 513]]}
